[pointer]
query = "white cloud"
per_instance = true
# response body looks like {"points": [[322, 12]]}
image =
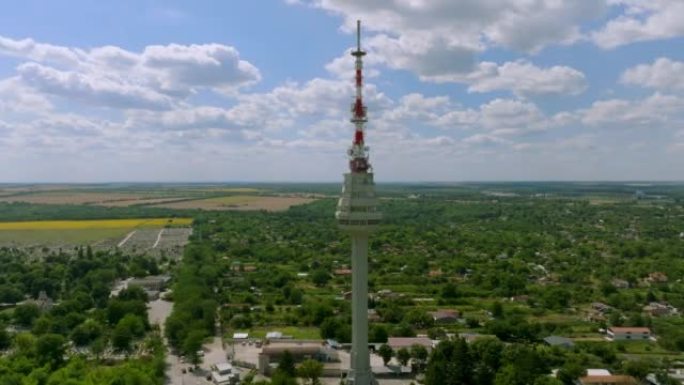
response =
{"points": [[520, 77], [510, 114], [663, 74], [440, 39], [316, 97], [274, 110], [642, 20], [656, 111], [181, 67], [113, 77], [520, 24], [484, 140], [17, 97], [192, 118], [90, 89], [431, 57], [30, 49], [417, 106], [502, 117], [531, 25], [524, 78]]}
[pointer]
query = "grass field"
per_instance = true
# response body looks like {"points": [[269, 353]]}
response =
{"points": [[95, 224], [64, 233], [303, 333], [59, 237]]}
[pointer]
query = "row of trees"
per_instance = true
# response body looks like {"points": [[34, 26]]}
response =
{"points": [[194, 313]]}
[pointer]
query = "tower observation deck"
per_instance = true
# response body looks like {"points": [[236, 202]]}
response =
{"points": [[358, 216]]}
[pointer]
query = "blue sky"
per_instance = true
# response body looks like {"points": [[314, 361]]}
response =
{"points": [[260, 90]]}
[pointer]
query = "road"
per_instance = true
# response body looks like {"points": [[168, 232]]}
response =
{"points": [[214, 353]]}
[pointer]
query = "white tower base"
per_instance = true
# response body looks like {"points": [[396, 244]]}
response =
{"points": [[360, 372], [357, 215]]}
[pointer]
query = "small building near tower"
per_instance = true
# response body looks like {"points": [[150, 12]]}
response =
{"points": [[629, 334]]}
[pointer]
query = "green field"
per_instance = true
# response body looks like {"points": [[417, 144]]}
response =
{"points": [[58, 237]]}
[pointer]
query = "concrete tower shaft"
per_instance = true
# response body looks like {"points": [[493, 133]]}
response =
{"points": [[357, 215]]}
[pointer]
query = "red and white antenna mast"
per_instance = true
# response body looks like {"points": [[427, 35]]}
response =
{"points": [[358, 152]]}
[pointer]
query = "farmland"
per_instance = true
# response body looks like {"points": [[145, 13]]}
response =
{"points": [[94, 224], [182, 197], [241, 202], [164, 235]]}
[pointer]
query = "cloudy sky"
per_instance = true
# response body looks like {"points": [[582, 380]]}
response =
{"points": [[245, 90]]}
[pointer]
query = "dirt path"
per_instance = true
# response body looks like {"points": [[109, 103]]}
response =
{"points": [[156, 243], [123, 242], [159, 311]]}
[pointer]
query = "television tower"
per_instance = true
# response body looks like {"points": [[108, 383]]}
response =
{"points": [[358, 216]]}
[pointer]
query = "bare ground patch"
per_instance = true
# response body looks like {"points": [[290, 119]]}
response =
{"points": [[140, 201], [240, 202]]}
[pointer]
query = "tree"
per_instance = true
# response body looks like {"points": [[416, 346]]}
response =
{"points": [[547, 380], [193, 344], [50, 349], [286, 364], [377, 333], [241, 321], [9, 294], [320, 277], [450, 363], [638, 368], [419, 352], [497, 310], [134, 324], [98, 346], [5, 340], [329, 327], [403, 356], [25, 314], [419, 319], [571, 371], [86, 332], [403, 330], [664, 379], [311, 370], [42, 325], [487, 352], [118, 309], [122, 338], [386, 352], [508, 375], [280, 378], [449, 291], [436, 333], [24, 344]]}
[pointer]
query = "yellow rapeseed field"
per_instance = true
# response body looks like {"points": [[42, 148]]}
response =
{"points": [[95, 224]]}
